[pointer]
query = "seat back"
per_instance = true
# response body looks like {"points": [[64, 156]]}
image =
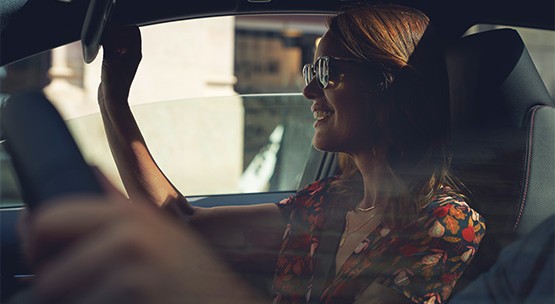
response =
{"points": [[503, 132]]}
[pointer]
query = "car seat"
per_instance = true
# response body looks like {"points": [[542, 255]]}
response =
{"points": [[503, 137]]}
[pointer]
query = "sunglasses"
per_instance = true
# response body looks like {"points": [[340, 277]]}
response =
{"points": [[321, 69]]}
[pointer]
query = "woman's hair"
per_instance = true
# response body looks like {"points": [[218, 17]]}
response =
{"points": [[409, 114]]}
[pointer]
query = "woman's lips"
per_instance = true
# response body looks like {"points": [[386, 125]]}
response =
{"points": [[320, 116]]}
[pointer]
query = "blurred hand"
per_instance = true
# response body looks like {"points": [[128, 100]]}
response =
{"points": [[122, 253], [106, 250]]}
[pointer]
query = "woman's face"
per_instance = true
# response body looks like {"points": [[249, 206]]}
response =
{"points": [[342, 122]]}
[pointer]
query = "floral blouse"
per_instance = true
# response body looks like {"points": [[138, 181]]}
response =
{"points": [[422, 261]]}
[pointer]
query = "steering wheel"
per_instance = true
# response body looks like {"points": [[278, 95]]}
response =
{"points": [[45, 157]]}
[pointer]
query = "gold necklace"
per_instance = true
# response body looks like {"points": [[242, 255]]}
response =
{"points": [[366, 209], [347, 233]]}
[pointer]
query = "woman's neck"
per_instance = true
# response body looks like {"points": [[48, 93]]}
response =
{"points": [[373, 170]]}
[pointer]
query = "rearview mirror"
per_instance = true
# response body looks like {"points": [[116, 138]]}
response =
{"points": [[98, 15]]}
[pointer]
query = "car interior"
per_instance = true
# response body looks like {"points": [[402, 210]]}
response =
{"points": [[496, 100], [502, 113]]}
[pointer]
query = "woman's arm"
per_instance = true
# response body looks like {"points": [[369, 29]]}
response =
{"points": [[247, 237], [140, 174], [237, 233]]}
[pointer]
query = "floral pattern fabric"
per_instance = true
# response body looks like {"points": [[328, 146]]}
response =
{"points": [[422, 261]]}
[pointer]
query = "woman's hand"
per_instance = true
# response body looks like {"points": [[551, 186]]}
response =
{"points": [[100, 250], [122, 55]]}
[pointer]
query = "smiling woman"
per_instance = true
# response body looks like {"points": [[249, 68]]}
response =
{"points": [[389, 223], [388, 116], [391, 128]]}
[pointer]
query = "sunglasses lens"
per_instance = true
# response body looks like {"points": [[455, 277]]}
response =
{"points": [[323, 71], [320, 70], [308, 73]]}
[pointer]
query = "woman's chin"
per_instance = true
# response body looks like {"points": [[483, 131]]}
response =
{"points": [[323, 144]]}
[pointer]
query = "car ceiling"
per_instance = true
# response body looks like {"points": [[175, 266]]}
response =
{"points": [[28, 27]]}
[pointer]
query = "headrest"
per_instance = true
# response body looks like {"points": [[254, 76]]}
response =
{"points": [[493, 78]]}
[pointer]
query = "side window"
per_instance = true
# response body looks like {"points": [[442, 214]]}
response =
{"points": [[217, 99], [218, 145]]}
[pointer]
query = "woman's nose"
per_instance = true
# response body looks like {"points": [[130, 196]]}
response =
{"points": [[312, 90]]}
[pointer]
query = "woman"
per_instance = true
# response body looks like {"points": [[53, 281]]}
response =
{"points": [[391, 227], [384, 107]]}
